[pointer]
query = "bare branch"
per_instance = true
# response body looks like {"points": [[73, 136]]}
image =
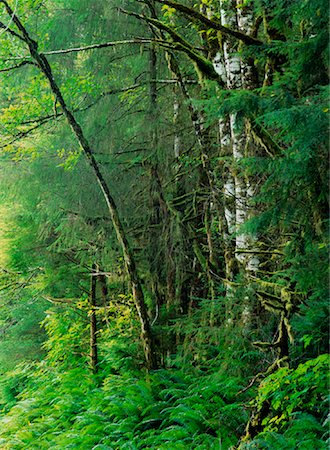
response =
{"points": [[261, 252], [18, 66], [23, 134], [9, 30], [109, 44], [97, 46]]}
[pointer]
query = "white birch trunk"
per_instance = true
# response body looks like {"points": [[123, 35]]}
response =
{"points": [[238, 75], [245, 24], [176, 141]]}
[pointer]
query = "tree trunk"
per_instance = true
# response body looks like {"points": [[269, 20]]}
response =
{"points": [[138, 296], [93, 323], [239, 75]]}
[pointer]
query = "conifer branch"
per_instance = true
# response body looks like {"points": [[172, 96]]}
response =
{"points": [[49, 117], [39, 121]]}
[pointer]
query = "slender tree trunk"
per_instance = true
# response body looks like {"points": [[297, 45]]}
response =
{"points": [[158, 207], [138, 296], [93, 323], [227, 222]]}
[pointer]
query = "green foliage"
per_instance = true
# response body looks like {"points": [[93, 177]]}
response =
{"points": [[67, 410], [304, 430], [12, 384], [173, 208], [298, 406], [291, 390]]}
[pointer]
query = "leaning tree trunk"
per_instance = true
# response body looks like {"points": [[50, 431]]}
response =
{"points": [[138, 296]]}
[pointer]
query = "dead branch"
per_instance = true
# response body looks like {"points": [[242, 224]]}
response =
{"points": [[18, 66]]}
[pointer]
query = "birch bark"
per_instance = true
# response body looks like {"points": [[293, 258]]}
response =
{"points": [[239, 75], [93, 324]]}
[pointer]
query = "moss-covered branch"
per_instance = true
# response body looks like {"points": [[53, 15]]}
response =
{"points": [[179, 43], [211, 23]]}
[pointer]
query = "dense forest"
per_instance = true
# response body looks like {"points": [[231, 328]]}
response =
{"points": [[164, 224]]}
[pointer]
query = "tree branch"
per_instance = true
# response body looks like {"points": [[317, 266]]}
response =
{"points": [[10, 31], [39, 121], [211, 23], [107, 44], [23, 134], [204, 65], [261, 252], [97, 46], [17, 66]]}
